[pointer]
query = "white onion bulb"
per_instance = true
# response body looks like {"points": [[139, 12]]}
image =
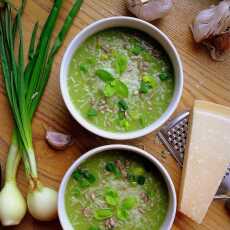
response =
{"points": [[12, 204], [42, 203]]}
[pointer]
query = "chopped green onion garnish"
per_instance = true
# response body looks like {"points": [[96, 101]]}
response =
{"points": [[104, 75], [121, 63], [104, 213], [137, 49], [111, 167], [83, 68], [109, 90], [145, 87], [92, 112], [111, 197], [140, 180], [76, 192], [163, 76], [124, 123], [122, 214], [121, 89], [122, 104], [94, 228], [129, 203]]}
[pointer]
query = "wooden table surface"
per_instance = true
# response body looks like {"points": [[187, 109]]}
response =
{"points": [[204, 79]]}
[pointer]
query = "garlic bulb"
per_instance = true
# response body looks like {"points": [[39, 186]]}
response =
{"points": [[212, 28], [149, 10]]}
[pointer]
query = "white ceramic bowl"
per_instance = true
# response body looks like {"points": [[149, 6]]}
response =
{"points": [[121, 21], [66, 225]]}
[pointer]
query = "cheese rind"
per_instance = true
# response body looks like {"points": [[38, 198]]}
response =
{"points": [[206, 159]]}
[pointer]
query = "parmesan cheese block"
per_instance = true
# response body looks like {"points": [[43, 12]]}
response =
{"points": [[206, 158]]}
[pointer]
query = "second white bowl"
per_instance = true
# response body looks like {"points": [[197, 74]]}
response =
{"points": [[170, 216]]}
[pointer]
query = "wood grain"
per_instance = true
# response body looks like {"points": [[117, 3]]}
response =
{"points": [[204, 79]]}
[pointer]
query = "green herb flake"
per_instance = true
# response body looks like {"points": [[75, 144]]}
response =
{"points": [[83, 68], [111, 167], [111, 197], [104, 213], [94, 228], [121, 63], [109, 90], [83, 183], [121, 89], [141, 180], [122, 214], [137, 170], [129, 203], [122, 104], [76, 192], [131, 177], [145, 87], [92, 112], [151, 194], [163, 76], [89, 176], [124, 123], [137, 49], [77, 174], [151, 80], [104, 75]]}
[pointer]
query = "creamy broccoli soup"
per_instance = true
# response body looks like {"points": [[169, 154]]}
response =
{"points": [[120, 80], [112, 190]]}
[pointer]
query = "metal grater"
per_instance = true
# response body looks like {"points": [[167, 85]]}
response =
{"points": [[174, 134]]}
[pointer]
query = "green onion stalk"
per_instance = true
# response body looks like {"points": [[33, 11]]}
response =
{"points": [[25, 85]]}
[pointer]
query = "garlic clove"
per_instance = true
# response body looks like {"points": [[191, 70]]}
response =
{"points": [[149, 10], [58, 141]]}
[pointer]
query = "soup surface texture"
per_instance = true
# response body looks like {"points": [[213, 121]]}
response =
{"points": [[112, 190], [120, 80]]}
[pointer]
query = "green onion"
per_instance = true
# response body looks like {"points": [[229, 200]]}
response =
{"points": [[24, 87]]}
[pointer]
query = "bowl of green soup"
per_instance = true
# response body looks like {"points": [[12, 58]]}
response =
{"points": [[117, 187], [121, 78]]}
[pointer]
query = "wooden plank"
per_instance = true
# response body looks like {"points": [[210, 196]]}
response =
{"points": [[204, 79]]}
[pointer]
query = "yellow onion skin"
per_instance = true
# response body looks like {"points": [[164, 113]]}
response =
{"points": [[42, 203], [12, 204]]}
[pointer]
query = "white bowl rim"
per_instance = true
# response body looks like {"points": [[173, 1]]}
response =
{"points": [[120, 135], [170, 217]]}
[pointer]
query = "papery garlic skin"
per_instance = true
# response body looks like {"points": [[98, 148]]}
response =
{"points": [[212, 21], [150, 10], [219, 46]]}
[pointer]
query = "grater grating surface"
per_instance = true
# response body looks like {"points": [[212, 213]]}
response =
{"points": [[174, 134]]}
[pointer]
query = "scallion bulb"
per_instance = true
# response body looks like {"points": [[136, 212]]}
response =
{"points": [[42, 203], [12, 204]]}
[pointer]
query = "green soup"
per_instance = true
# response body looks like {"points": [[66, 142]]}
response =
{"points": [[114, 190], [120, 80]]}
